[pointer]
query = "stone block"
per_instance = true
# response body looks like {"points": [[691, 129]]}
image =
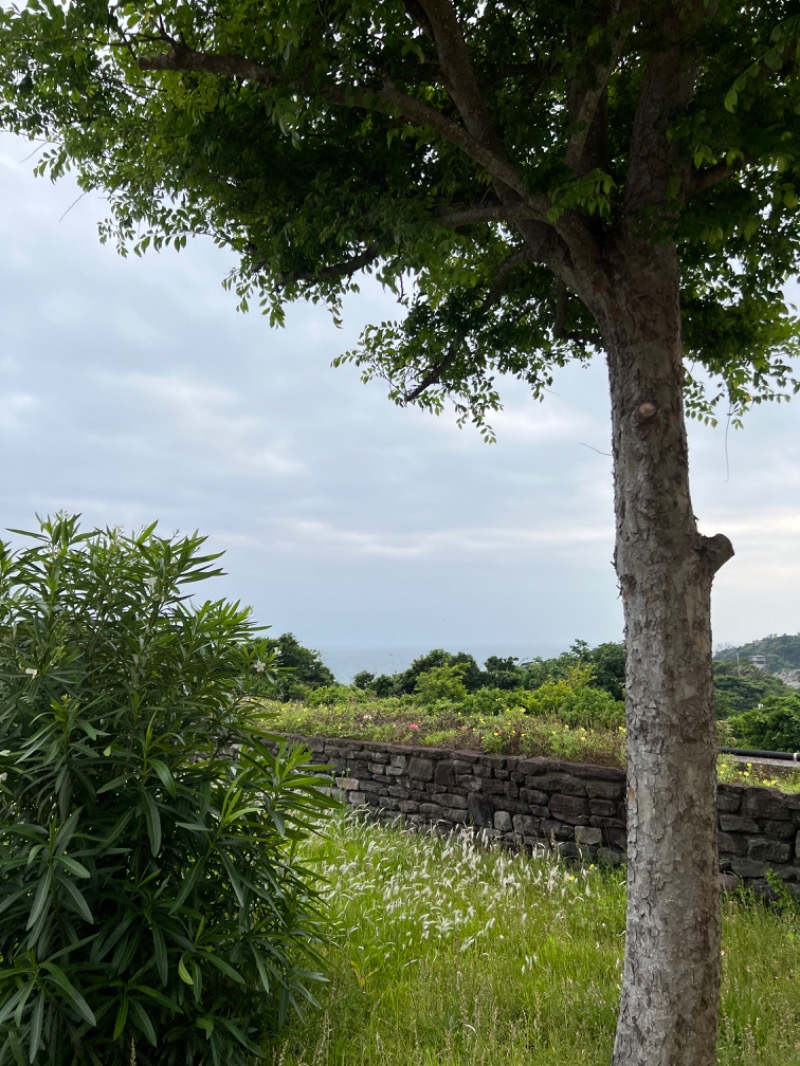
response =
{"points": [[610, 790], [399, 761], [534, 796], [748, 868], [779, 830], [348, 783], [610, 856], [420, 769], [446, 773], [356, 799], [732, 844], [737, 823], [563, 784], [588, 836], [468, 783], [527, 826], [729, 798], [769, 850], [376, 768], [603, 807], [481, 810], [554, 830], [408, 806], [765, 803], [570, 808], [502, 821]]}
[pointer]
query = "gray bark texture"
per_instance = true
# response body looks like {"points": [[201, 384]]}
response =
{"points": [[670, 989]]}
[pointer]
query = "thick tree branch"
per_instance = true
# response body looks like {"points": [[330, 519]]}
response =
{"points": [[387, 98]]}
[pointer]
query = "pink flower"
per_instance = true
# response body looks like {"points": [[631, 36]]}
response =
{"points": [[413, 726]]}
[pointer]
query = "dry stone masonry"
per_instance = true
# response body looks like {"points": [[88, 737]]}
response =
{"points": [[579, 810]]}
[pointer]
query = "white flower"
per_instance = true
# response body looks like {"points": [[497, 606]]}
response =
{"points": [[259, 666], [32, 671]]}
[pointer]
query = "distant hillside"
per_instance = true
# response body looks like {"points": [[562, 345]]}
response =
{"points": [[781, 654]]}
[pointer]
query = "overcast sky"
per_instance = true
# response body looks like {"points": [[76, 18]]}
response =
{"points": [[131, 390]]}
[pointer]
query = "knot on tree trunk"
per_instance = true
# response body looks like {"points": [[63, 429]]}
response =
{"points": [[715, 551]]}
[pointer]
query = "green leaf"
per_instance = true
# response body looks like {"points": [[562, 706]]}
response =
{"points": [[183, 973], [142, 1022], [37, 1020], [121, 1019], [60, 979], [77, 869], [153, 820], [78, 899], [165, 775], [41, 901]]}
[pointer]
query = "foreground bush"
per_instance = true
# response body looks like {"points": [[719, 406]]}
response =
{"points": [[152, 906]]}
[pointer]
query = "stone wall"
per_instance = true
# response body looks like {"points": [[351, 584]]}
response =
{"points": [[577, 809]]}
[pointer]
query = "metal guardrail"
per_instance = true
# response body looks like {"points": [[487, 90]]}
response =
{"points": [[787, 756]]}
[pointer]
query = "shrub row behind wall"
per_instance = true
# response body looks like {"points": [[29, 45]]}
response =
{"points": [[578, 809]]}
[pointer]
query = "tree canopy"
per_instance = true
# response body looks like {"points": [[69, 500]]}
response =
{"points": [[461, 153]]}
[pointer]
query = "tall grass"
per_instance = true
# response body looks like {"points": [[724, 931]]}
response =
{"points": [[454, 955]]}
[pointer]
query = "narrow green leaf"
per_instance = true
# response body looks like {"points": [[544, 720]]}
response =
{"points": [[60, 979], [78, 899], [160, 953], [77, 869], [183, 973], [153, 819], [142, 1022], [37, 1019], [165, 775], [121, 1019], [41, 901], [225, 968]]}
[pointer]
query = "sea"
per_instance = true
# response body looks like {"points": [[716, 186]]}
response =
{"points": [[345, 661]]}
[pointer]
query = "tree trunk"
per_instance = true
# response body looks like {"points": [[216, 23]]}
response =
{"points": [[671, 976]]}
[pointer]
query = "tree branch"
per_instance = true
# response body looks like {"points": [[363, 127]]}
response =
{"points": [[387, 99], [346, 269], [492, 298]]}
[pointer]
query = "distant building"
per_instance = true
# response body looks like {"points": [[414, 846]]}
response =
{"points": [[759, 661]]}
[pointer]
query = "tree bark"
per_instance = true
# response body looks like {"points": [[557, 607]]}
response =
{"points": [[671, 976]]}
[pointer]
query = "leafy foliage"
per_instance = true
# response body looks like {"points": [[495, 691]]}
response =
{"points": [[323, 141], [740, 687], [296, 670], [773, 726], [153, 909]]}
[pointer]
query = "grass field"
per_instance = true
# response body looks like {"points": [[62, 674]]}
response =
{"points": [[448, 954]]}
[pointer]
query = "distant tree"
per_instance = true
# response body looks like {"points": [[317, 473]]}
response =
{"points": [[441, 683], [297, 668], [406, 682], [363, 679], [536, 183], [608, 668], [740, 687], [502, 673], [773, 726]]}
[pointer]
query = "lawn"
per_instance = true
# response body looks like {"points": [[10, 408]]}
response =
{"points": [[450, 954]]}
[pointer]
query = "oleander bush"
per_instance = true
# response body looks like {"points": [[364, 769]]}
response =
{"points": [[153, 908]]}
